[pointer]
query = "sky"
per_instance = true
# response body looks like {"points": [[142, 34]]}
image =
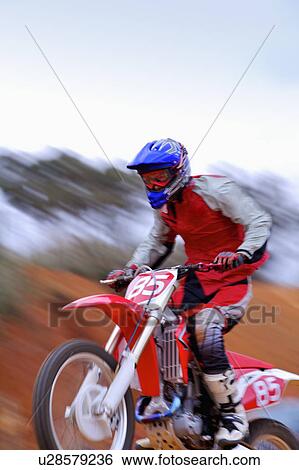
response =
{"points": [[143, 70]]}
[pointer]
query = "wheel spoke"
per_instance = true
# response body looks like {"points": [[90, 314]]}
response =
{"points": [[65, 388]]}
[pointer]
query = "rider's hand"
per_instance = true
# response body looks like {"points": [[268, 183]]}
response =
{"points": [[119, 273], [229, 260]]}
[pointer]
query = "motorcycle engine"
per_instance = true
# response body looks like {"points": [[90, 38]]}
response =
{"points": [[191, 430], [186, 425], [189, 425]]}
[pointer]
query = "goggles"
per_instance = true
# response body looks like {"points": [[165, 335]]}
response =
{"points": [[158, 179]]}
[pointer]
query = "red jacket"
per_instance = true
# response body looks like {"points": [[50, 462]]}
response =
{"points": [[211, 214]]}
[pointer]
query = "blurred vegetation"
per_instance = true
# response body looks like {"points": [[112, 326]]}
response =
{"points": [[279, 196], [13, 283], [88, 258], [50, 190], [66, 183], [92, 258], [47, 188]]}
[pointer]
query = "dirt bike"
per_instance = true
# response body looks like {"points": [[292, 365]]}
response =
{"points": [[83, 395]]}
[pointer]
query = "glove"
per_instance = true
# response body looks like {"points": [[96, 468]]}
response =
{"points": [[119, 284], [229, 260]]}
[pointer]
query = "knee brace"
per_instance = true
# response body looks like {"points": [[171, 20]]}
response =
{"points": [[208, 342]]}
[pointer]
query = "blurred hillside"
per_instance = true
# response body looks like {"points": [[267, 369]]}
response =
{"points": [[65, 223], [26, 339]]}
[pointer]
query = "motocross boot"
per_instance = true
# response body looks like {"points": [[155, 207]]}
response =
{"points": [[233, 422]]}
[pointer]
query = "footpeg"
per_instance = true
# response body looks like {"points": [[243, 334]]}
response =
{"points": [[143, 402]]}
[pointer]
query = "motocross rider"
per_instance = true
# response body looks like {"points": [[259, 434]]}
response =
{"points": [[219, 223]]}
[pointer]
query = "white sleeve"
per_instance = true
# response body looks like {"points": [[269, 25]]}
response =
{"points": [[156, 246], [221, 193]]}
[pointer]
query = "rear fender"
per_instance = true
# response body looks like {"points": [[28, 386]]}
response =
{"points": [[263, 388], [126, 314]]}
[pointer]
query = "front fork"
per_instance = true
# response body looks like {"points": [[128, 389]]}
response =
{"points": [[128, 363], [113, 340]]}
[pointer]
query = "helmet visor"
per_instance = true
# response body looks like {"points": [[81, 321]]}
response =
{"points": [[158, 179]]}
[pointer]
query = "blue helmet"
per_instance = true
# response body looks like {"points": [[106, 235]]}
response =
{"points": [[158, 155]]}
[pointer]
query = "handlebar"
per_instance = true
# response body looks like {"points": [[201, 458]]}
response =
{"points": [[202, 267], [198, 267], [182, 271], [120, 278]]}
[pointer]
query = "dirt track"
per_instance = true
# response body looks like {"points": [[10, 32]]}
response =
{"points": [[26, 340]]}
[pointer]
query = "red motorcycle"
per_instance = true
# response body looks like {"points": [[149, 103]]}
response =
{"points": [[83, 393]]}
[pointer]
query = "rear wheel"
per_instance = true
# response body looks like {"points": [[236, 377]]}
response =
{"points": [[267, 434], [63, 423]]}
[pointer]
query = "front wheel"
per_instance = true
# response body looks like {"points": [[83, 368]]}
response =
{"points": [[60, 421], [268, 434]]}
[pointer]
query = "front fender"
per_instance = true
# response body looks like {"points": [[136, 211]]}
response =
{"points": [[126, 314]]}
